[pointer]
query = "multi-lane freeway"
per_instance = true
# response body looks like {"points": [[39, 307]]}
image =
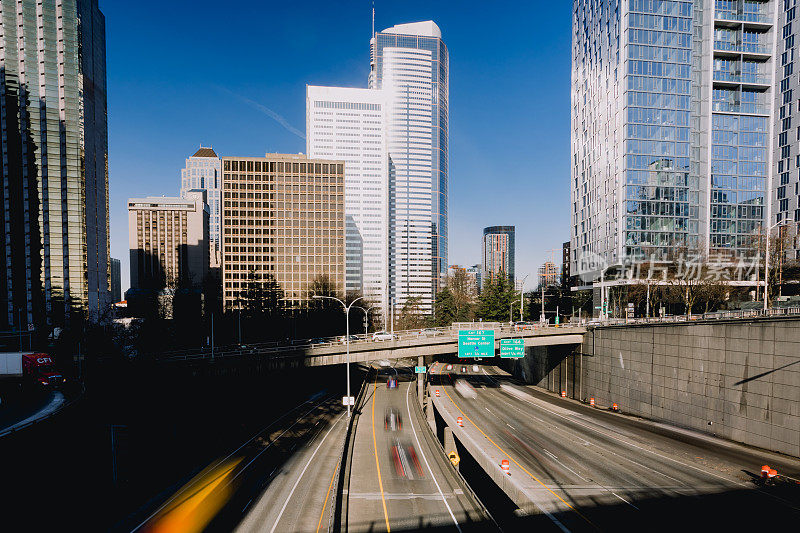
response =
{"points": [[577, 468], [400, 479]]}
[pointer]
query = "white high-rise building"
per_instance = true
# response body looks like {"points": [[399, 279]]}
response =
{"points": [[348, 124], [409, 62], [203, 172]]}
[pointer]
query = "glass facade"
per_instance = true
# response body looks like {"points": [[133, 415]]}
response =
{"points": [[55, 262], [410, 62], [785, 190], [670, 126]]}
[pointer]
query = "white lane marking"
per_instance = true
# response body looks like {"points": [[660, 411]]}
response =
{"points": [[623, 499], [537, 404], [424, 458], [289, 497], [512, 427], [551, 455], [606, 450]]}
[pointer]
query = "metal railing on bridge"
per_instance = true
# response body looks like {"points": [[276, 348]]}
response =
{"points": [[717, 315]]}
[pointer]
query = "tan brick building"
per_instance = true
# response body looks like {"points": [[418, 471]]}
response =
{"points": [[283, 215]]}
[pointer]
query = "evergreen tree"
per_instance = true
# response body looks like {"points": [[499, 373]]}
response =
{"points": [[445, 307], [496, 299]]}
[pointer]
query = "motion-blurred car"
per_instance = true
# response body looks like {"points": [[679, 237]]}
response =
{"points": [[383, 336], [475, 368], [318, 340], [406, 463], [522, 326], [343, 339], [449, 367], [392, 383], [463, 370], [428, 332], [392, 421]]}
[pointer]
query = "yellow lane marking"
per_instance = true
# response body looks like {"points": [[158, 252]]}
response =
{"points": [[325, 504], [514, 460], [375, 448]]}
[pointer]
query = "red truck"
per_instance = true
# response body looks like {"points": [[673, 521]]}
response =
{"points": [[36, 368]]}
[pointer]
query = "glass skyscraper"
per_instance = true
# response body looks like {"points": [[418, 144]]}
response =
{"points": [[54, 264], [497, 252], [410, 63], [671, 129]]}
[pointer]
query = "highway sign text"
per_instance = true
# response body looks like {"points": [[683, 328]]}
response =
{"points": [[476, 343]]}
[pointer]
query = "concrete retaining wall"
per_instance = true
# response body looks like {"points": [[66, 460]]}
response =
{"points": [[742, 377]]}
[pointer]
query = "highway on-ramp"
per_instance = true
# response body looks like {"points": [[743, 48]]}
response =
{"points": [[581, 469]]}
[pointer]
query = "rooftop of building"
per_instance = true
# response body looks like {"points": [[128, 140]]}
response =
{"points": [[427, 28], [205, 152], [281, 157], [498, 229]]}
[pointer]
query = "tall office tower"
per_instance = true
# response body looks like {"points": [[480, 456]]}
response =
{"points": [[786, 180], [671, 128], [410, 63], [349, 125], [282, 216], [116, 280], [168, 240], [54, 265], [497, 252], [203, 172]]}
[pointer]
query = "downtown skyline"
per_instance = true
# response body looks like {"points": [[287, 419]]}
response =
{"points": [[277, 125]]}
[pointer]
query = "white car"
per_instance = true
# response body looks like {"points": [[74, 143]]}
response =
{"points": [[475, 368], [383, 336]]}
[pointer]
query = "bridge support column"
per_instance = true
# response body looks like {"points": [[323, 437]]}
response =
{"points": [[420, 382]]}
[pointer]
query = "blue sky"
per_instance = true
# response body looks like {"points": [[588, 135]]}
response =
{"points": [[183, 73]]}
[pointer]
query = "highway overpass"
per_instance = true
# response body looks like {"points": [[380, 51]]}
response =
{"points": [[425, 343]]}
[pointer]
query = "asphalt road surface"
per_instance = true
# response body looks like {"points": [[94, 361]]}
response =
{"points": [[400, 479], [585, 469]]}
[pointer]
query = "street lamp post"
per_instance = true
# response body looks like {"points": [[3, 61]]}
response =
{"points": [[347, 341], [766, 263], [521, 295], [366, 317]]}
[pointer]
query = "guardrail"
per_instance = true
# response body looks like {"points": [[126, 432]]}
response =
{"points": [[717, 315]]}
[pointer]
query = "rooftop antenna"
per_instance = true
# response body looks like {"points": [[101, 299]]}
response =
{"points": [[373, 18]]}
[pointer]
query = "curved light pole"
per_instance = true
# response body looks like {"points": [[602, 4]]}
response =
{"points": [[366, 317], [347, 319], [521, 295]]}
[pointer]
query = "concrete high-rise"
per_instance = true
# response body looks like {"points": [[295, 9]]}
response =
{"points": [[497, 252], [348, 124], [54, 265], [168, 240], [672, 130], [409, 62], [282, 217], [202, 171]]}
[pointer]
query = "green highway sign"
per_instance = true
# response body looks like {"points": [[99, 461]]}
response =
{"points": [[512, 348], [476, 343], [419, 369]]}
